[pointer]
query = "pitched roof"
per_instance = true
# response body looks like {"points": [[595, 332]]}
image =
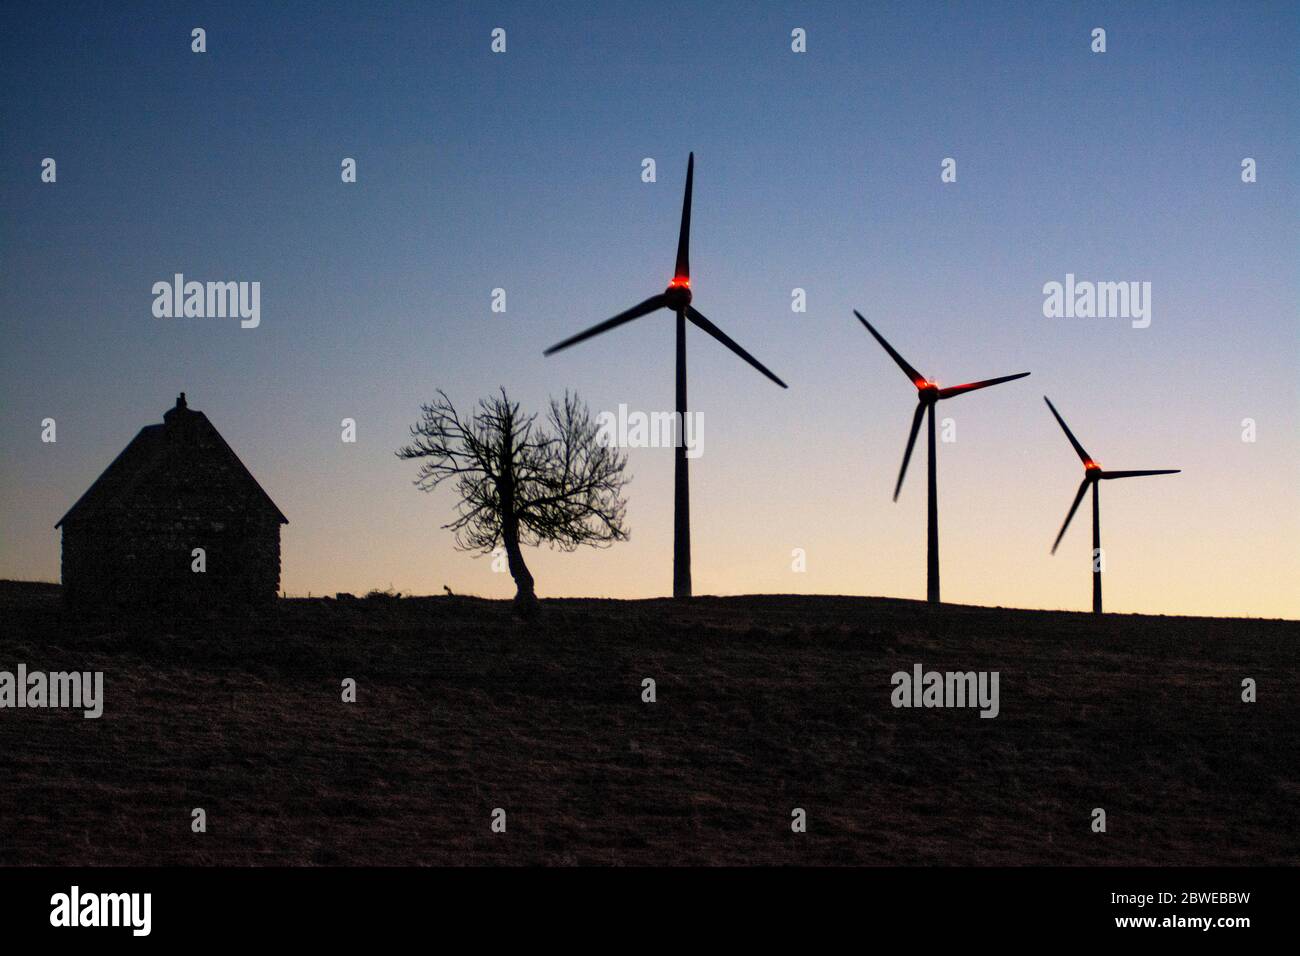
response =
{"points": [[183, 462]]}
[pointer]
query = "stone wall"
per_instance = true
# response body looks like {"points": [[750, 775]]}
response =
{"points": [[151, 561]]}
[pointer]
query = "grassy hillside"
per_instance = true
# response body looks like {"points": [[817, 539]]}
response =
{"points": [[764, 704]]}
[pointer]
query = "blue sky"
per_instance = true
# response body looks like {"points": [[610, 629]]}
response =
{"points": [[818, 171]]}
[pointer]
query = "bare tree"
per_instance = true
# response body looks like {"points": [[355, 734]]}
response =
{"points": [[519, 482]]}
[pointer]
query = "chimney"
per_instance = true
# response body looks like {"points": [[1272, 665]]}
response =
{"points": [[179, 415]]}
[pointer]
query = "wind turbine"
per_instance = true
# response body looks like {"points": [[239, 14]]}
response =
{"points": [[677, 299], [1093, 475], [928, 394]]}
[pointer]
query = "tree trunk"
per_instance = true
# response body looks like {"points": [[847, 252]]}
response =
{"points": [[525, 596]]}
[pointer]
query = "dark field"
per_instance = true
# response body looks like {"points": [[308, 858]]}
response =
{"points": [[764, 704]]}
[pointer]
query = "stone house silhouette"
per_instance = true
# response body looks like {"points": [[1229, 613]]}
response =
{"points": [[177, 487]]}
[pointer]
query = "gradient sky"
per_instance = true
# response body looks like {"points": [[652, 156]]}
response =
{"points": [[818, 171]]}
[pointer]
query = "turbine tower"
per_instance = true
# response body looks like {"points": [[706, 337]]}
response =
{"points": [[1093, 476], [677, 299], [928, 394]]}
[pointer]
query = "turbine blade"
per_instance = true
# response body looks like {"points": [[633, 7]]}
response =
{"points": [[917, 378], [1083, 488], [649, 305], [694, 315], [961, 389], [911, 440], [683, 269], [1083, 455], [1139, 474]]}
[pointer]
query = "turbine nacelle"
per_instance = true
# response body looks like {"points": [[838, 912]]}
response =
{"points": [[678, 294]]}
